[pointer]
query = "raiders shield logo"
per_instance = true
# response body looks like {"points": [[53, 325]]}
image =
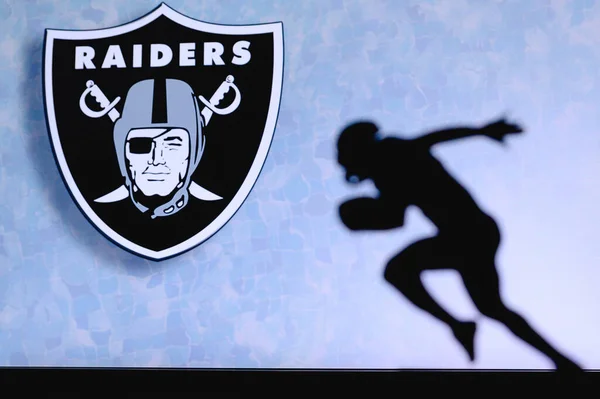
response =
{"points": [[160, 127]]}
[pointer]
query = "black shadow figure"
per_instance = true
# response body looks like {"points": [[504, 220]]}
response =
{"points": [[406, 173]]}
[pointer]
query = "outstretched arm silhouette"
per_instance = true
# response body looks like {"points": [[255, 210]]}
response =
{"points": [[496, 130]]}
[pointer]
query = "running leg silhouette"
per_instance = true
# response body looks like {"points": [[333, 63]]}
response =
{"points": [[478, 271], [483, 285], [404, 272]]}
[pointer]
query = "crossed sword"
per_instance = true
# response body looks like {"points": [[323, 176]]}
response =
{"points": [[210, 108]]}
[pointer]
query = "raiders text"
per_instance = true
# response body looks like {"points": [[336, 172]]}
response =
{"points": [[161, 55]]}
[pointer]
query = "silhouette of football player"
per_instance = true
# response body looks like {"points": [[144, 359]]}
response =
{"points": [[406, 173]]}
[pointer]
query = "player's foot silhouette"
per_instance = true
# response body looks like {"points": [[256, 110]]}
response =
{"points": [[464, 332]]}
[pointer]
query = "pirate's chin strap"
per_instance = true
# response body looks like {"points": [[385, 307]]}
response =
{"points": [[173, 206]]}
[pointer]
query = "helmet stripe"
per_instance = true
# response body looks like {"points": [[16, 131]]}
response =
{"points": [[159, 101]]}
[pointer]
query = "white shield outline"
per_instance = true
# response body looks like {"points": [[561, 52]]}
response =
{"points": [[276, 28]]}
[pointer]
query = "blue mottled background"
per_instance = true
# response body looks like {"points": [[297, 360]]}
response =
{"points": [[283, 284]]}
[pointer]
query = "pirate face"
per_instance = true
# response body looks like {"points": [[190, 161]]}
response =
{"points": [[157, 159], [159, 142]]}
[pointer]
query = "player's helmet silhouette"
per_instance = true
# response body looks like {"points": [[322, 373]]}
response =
{"points": [[353, 145], [160, 104]]}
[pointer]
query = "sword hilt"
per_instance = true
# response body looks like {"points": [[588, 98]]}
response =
{"points": [[210, 107], [107, 106]]}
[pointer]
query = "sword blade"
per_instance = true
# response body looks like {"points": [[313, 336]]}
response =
{"points": [[113, 114], [206, 114], [122, 193], [203, 194], [114, 196]]}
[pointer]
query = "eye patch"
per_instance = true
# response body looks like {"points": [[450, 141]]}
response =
{"points": [[140, 145]]}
